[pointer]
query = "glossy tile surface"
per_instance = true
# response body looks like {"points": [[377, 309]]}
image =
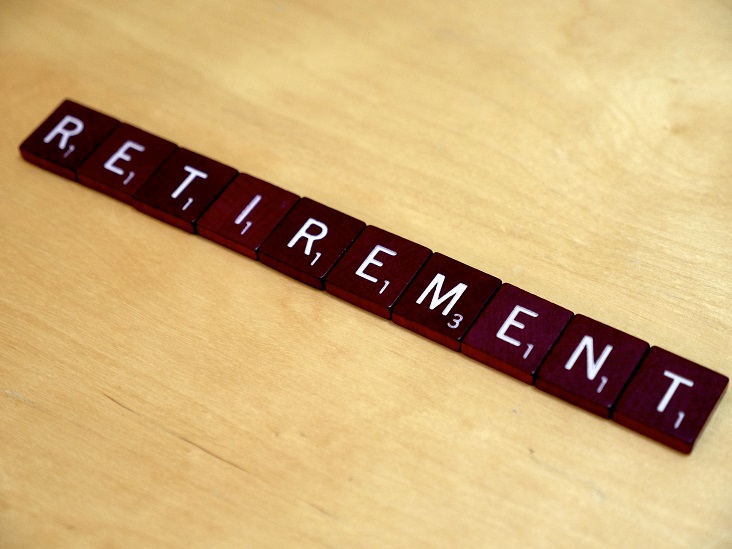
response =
{"points": [[670, 399], [376, 270], [66, 138], [181, 190], [590, 365], [124, 161], [309, 241], [245, 214], [444, 299], [515, 332]]}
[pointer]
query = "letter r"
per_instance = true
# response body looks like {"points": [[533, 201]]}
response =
{"points": [[68, 127], [303, 233]]}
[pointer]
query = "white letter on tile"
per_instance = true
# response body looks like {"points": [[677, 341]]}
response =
{"points": [[436, 283], [593, 367], [121, 154], [64, 132], [193, 173], [370, 260], [677, 380], [303, 233], [511, 321]]}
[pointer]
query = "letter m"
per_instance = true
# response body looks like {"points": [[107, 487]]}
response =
{"points": [[437, 299]]}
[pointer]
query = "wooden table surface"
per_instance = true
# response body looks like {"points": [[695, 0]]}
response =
{"points": [[158, 390]]}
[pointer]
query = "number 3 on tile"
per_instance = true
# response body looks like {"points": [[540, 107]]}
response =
{"points": [[455, 322]]}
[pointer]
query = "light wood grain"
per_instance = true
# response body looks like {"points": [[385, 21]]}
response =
{"points": [[157, 390]]}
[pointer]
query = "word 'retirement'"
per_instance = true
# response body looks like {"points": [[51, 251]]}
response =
{"points": [[578, 359]]}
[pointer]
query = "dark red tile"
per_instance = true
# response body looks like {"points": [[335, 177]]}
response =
{"points": [[444, 299], [309, 241], [375, 270], [181, 190], [245, 214], [124, 161], [670, 399], [515, 332], [590, 365], [66, 138]]}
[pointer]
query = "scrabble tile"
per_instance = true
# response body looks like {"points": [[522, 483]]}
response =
{"points": [[181, 190], [670, 399], [67, 137], [375, 270], [124, 161], [444, 299], [590, 365], [309, 241], [515, 332], [245, 214]]}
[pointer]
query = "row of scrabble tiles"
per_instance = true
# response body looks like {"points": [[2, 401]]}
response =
{"points": [[599, 368]]}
